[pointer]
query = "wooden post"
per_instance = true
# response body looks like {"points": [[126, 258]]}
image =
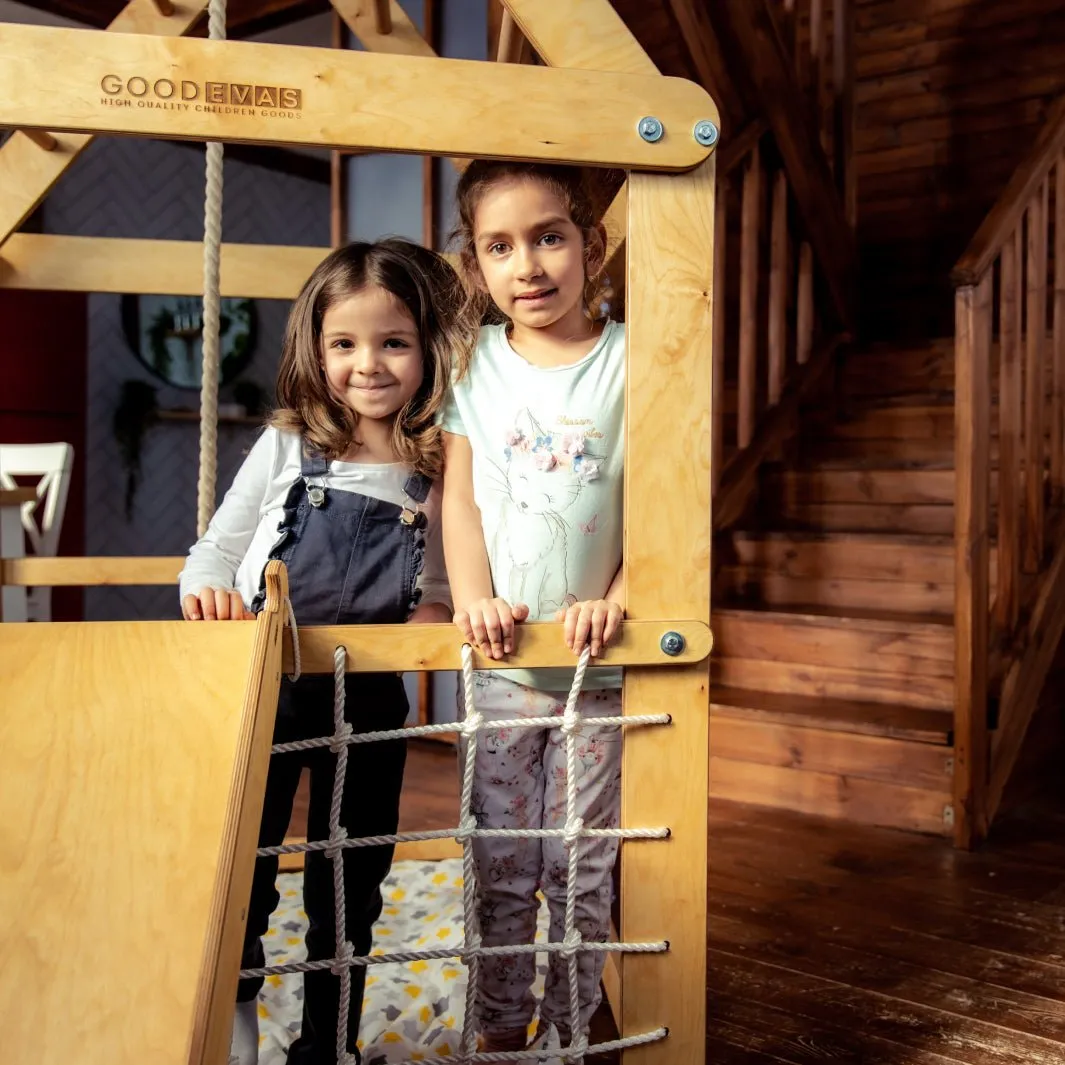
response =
{"points": [[804, 315], [1009, 436], [778, 280], [1057, 405], [843, 106], [750, 223], [429, 162], [717, 441], [164, 7], [972, 414], [382, 14], [338, 193], [1035, 379], [667, 575]]}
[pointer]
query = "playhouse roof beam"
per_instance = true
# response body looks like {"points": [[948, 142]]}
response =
{"points": [[26, 173], [275, 94], [164, 267]]}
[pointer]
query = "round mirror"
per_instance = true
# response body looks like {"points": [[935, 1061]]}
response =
{"points": [[166, 334]]}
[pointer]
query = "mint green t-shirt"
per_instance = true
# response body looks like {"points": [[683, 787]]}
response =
{"points": [[548, 457]]}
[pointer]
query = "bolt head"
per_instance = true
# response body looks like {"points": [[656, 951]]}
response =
{"points": [[705, 133], [650, 129], [672, 644]]}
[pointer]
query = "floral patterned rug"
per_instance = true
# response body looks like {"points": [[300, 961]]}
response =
{"points": [[411, 1012]]}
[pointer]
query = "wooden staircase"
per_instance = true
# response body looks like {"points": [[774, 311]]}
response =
{"points": [[834, 675]]}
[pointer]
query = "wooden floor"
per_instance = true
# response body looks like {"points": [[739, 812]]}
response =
{"points": [[838, 943]]}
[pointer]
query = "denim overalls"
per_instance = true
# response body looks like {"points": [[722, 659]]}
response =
{"points": [[351, 559]]}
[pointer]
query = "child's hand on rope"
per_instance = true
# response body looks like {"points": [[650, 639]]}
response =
{"points": [[488, 624], [594, 621], [215, 604]]}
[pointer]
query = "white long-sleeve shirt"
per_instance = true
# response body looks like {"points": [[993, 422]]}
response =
{"points": [[243, 531]]}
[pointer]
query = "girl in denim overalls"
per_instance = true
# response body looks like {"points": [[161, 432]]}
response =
{"points": [[339, 488]]}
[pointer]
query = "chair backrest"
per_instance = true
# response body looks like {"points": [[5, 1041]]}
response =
{"points": [[51, 465]]}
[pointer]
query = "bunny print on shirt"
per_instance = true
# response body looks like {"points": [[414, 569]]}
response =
{"points": [[547, 499]]}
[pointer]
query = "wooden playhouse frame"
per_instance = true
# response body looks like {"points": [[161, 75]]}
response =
{"points": [[668, 202]]}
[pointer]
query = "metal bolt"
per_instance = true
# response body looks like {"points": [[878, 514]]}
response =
{"points": [[705, 133], [948, 816], [672, 644], [650, 129]]}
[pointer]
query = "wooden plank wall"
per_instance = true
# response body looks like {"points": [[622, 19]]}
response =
{"points": [[950, 95]]}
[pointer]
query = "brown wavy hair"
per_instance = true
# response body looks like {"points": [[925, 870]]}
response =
{"points": [[583, 199], [427, 286]]}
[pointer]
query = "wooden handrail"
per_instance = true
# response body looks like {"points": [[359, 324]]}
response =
{"points": [[1020, 624], [1002, 219]]}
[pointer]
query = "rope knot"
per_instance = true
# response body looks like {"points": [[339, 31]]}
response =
{"points": [[571, 944], [341, 737], [577, 1049], [343, 960], [472, 950], [474, 721], [466, 829], [334, 850], [571, 722], [572, 832]]}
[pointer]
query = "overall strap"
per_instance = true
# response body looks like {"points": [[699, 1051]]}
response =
{"points": [[312, 464], [417, 487]]}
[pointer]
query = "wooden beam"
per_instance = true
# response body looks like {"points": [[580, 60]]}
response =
{"points": [[43, 139], [26, 173], [472, 110], [583, 34], [166, 267], [412, 648], [747, 30], [402, 39], [338, 192], [512, 44], [1035, 379], [1010, 436], [382, 16], [972, 419], [670, 296]]}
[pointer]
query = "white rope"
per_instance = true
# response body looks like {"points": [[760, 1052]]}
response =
{"points": [[212, 242], [345, 951], [473, 949]]}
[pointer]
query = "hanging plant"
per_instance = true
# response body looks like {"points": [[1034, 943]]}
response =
{"points": [[136, 413]]}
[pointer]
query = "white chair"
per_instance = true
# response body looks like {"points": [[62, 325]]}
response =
{"points": [[43, 518]]}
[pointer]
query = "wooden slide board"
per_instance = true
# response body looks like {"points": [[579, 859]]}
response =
{"points": [[135, 761]]}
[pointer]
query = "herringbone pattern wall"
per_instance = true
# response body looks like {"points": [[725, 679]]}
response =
{"points": [[139, 188]]}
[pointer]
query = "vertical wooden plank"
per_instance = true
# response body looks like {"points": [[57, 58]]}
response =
{"points": [[972, 413], [430, 23], [843, 106], [750, 224], [667, 575], [717, 442], [1035, 380], [817, 57], [338, 193], [778, 279], [804, 315], [1057, 405], [1009, 436]]}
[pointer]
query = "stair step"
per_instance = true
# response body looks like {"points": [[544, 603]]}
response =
{"points": [[915, 724], [847, 755], [921, 519], [857, 682], [905, 646], [848, 573], [926, 421], [889, 486]]}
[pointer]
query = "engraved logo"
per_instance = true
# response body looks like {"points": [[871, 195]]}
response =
{"points": [[216, 97]]}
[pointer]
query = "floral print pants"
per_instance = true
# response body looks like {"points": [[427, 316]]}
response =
{"points": [[520, 782]]}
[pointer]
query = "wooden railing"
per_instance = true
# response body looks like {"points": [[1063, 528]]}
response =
{"points": [[785, 266], [820, 36], [1005, 637], [770, 340]]}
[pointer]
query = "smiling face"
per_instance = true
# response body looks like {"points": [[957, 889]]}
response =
{"points": [[371, 353], [531, 255]]}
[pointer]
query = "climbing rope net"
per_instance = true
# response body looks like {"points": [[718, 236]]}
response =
{"points": [[465, 833]]}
